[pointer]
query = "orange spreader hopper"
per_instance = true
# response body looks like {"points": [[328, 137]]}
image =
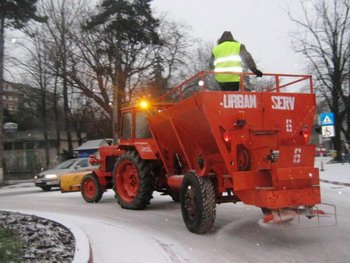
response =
{"points": [[208, 146]]}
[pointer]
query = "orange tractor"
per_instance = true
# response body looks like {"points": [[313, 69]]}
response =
{"points": [[212, 147]]}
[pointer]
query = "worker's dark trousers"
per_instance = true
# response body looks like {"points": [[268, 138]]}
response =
{"points": [[229, 86]]}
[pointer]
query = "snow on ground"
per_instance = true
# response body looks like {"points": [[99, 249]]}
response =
{"points": [[158, 233], [333, 171]]}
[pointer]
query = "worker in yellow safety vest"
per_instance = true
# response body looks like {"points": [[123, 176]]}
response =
{"points": [[227, 57]]}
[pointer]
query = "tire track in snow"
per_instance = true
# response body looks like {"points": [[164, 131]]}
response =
{"points": [[169, 251]]}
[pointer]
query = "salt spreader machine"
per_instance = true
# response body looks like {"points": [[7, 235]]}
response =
{"points": [[203, 146]]}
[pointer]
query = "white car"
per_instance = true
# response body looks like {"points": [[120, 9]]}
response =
{"points": [[51, 178]]}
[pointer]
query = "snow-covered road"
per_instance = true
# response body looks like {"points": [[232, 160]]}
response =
{"points": [[158, 233]]}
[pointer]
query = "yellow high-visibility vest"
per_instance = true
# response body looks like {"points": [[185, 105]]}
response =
{"points": [[226, 58]]}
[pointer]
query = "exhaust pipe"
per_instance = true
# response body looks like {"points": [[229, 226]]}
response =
{"points": [[175, 181]]}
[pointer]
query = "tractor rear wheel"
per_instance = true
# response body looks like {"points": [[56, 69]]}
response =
{"points": [[133, 181], [91, 189], [198, 203]]}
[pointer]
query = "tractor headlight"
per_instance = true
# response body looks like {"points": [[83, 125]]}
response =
{"points": [[144, 104], [51, 176]]}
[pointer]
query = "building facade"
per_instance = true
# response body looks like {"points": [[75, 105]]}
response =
{"points": [[24, 152]]}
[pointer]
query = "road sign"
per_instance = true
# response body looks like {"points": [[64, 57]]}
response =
{"points": [[327, 118], [328, 131]]}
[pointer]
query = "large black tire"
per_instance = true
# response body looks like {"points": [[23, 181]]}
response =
{"points": [[46, 188], [91, 189], [198, 203], [133, 181]]}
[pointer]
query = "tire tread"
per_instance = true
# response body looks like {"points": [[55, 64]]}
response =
{"points": [[205, 205]]}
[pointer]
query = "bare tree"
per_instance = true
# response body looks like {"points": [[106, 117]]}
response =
{"points": [[324, 38], [38, 76], [174, 55], [90, 120], [93, 62], [89, 71], [129, 37], [104, 63], [201, 57], [61, 19], [171, 63], [57, 47], [15, 14]]}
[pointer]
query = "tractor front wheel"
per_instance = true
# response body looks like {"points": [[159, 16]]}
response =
{"points": [[133, 181], [91, 189], [198, 203]]}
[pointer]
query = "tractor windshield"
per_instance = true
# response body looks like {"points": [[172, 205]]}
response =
{"points": [[126, 125], [141, 125]]}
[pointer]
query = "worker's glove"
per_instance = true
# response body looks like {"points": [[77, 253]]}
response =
{"points": [[258, 73]]}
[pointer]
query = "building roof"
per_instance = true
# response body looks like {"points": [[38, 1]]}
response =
{"points": [[92, 144]]}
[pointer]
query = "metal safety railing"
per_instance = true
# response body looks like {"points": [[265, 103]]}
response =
{"points": [[204, 79]]}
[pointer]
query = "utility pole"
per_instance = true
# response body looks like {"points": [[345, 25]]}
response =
{"points": [[2, 47]]}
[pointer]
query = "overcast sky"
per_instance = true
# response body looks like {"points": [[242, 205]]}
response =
{"points": [[262, 25]]}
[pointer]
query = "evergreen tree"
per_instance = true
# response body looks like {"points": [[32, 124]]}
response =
{"points": [[129, 30], [128, 21], [16, 13]]}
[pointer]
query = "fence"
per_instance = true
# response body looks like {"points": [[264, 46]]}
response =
{"points": [[22, 166]]}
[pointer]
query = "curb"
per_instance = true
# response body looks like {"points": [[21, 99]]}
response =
{"points": [[83, 251], [334, 182], [17, 184]]}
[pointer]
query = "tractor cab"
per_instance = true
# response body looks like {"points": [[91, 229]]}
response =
{"points": [[134, 132], [134, 125]]}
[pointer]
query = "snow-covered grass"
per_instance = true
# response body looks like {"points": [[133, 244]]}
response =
{"points": [[10, 247]]}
